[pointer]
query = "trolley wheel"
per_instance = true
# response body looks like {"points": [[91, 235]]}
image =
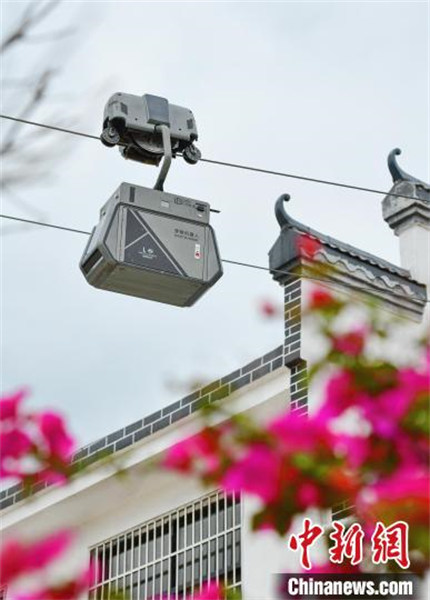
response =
{"points": [[110, 136], [191, 154]]}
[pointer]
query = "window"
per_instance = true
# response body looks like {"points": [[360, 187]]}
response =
{"points": [[174, 554]]}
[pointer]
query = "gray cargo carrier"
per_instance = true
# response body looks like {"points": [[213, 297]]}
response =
{"points": [[153, 245]]}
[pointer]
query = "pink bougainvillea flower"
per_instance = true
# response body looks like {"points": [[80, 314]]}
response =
{"points": [[14, 443], [213, 591], [201, 450], [307, 246], [179, 457], [18, 558], [341, 393], [269, 309], [350, 343], [356, 449], [60, 443], [297, 434], [308, 495], [321, 299], [258, 472], [403, 496], [9, 405], [387, 410]]}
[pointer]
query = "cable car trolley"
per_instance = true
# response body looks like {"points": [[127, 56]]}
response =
{"points": [[150, 243]]}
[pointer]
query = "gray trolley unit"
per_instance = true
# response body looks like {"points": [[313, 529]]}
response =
{"points": [[153, 245]]}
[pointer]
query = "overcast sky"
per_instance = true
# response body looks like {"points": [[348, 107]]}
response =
{"points": [[324, 89]]}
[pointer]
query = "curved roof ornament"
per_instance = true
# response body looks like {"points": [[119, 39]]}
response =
{"points": [[397, 173], [283, 218]]}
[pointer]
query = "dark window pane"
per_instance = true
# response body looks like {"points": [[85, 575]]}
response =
{"points": [[205, 570], [229, 512], [158, 537], [196, 566], [174, 534], [213, 519], [173, 581], [197, 524], [221, 557], [151, 544], [237, 555], [127, 586], [229, 556], [205, 522], [180, 582], [189, 539], [213, 559], [121, 552], [188, 569], [181, 531], [237, 546], [221, 516], [142, 584], [150, 581], [113, 560], [134, 589], [157, 580], [136, 543], [166, 538], [143, 547], [128, 554], [106, 562], [237, 508], [165, 582]]}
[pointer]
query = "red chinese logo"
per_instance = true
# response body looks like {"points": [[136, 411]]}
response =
{"points": [[347, 543], [387, 543], [391, 543], [305, 540]]}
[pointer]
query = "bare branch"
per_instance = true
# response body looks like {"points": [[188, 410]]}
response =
{"points": [[37, 96], [29, 20]]}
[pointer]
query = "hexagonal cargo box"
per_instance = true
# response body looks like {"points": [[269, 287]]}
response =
{"points": [[153, 245]]}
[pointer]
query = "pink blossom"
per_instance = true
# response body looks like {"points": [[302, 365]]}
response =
{"points": [[212, 591], [308, 246], [350, 343], [297, 434], [179, 457], [405, 495], [258, 473], [321, 299], [355, 449], [14, 443], [202, 451], [308, 495], [18, 558], [269, 310], [340, 394], [9, 405], [61, 445]]}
